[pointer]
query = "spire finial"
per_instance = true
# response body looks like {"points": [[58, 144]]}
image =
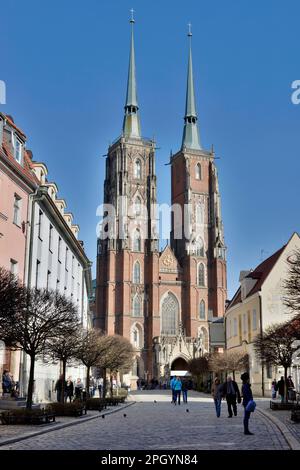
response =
{"points": [[190, 138], [132, 20], [131, 123]]}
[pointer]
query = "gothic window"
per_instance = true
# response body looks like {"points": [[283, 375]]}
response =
{"points": [[201, 274], [137, 241], [137, 335], [199, 247], [138, 206], [137, 306], [136, 273], [198, 171], [169, 315], [202, 310], [137, 169], [199, 214]]}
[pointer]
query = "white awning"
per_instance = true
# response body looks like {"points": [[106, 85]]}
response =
{"points": [[180, 373]]}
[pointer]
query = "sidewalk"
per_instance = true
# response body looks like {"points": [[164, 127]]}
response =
{"points": [[14, 433], [281, 417]]}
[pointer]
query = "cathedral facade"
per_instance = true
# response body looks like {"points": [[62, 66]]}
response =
{"points": [[162, 301]]}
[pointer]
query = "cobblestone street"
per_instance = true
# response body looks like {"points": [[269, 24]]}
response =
{"points": [[161, 425]]}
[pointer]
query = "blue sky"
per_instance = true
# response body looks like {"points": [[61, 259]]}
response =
{"points": [[65, 67]]}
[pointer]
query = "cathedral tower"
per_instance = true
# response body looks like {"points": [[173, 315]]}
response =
{"points": [[128, 242]]}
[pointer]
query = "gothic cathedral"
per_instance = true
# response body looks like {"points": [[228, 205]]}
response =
{"points": [[162, 301]]}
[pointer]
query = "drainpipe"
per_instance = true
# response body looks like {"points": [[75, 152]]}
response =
{"points": [[262, 364]]}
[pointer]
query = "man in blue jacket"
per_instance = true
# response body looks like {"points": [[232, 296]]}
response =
{"points": [[177, 390]]}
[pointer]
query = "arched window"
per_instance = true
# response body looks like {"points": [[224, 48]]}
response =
{"points": [[137, 169], [137, 241], [137, 206], [199, 247], [198, 171], [199, 214], [201, 275], [202, 310], [169, 315], [136, 273], [137, 306], [137, 335]]}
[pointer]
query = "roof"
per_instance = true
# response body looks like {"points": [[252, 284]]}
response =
{"points": [[260, 273], [24, 169]]}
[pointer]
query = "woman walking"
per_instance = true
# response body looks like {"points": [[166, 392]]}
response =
{"points": [[247, 397], [184, 391], [217, 393], [177, 390], [69, 389]]}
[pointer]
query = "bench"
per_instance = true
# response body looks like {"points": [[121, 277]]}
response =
{"points": [[42, 419], [277, 405], [295, 416]]}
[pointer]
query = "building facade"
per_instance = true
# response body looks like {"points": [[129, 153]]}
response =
{"points": [[257, 304], [39, 243], [162, 301], [16, 184]]}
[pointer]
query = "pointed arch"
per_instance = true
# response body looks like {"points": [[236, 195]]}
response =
{"points": [[137, 335], [137, 244], [137, 306], [202, 310], [203, 337], [198, 172], [198, 247], [201, 275], [138, 169], [137, 206], [136, 275], [169, 314], [199, 213]]}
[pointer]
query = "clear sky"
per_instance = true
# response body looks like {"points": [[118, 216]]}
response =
{"points": [[65, 67]]}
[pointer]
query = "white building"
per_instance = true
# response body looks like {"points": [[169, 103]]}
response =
{"points": [[55, 259], [257, 304]]}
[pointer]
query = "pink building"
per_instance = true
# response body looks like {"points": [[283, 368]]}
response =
{"points": [[16, 183]]}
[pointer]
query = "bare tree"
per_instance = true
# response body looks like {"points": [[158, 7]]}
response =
{"points": [[12, 296], [232, 361], [292, 283], [44, 315], [64, 348], [118, 356], [277, 346], [92, 347]]}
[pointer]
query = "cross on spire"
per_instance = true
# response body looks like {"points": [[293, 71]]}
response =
{"points": [[190, 29], [132, 18]]}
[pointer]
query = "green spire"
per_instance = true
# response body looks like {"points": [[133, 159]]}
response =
{"points": [[131, 123], [190, 139]]}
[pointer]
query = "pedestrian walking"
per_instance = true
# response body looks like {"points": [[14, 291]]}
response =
{"points": [[274, 389], [172, 381], [217, 394], [184, 389], [69, 389], [290, 388], [232, 395], [78, 389], [100, 386], [280, 388], [248, 403], [60, 384], [177, 390]]}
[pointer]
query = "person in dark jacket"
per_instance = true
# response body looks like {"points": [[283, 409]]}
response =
{"points": [[59, 387], [247, 396], [184, 389], [232, 394], [280, 388], [69, 389]]}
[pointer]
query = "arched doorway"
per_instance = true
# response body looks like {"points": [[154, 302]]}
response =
{"points": [[179, 364]]}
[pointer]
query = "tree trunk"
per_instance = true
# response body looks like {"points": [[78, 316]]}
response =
{"points": [[285, 384], [88, 381], [233, 374], [104, 382], [30, 383], [111, 385], [64, 366]]}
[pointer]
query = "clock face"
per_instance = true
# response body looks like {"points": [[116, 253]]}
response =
{"points": [[168, 260]]}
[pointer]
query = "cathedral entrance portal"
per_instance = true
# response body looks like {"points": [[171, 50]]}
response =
{"points": [[179, 364]]}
